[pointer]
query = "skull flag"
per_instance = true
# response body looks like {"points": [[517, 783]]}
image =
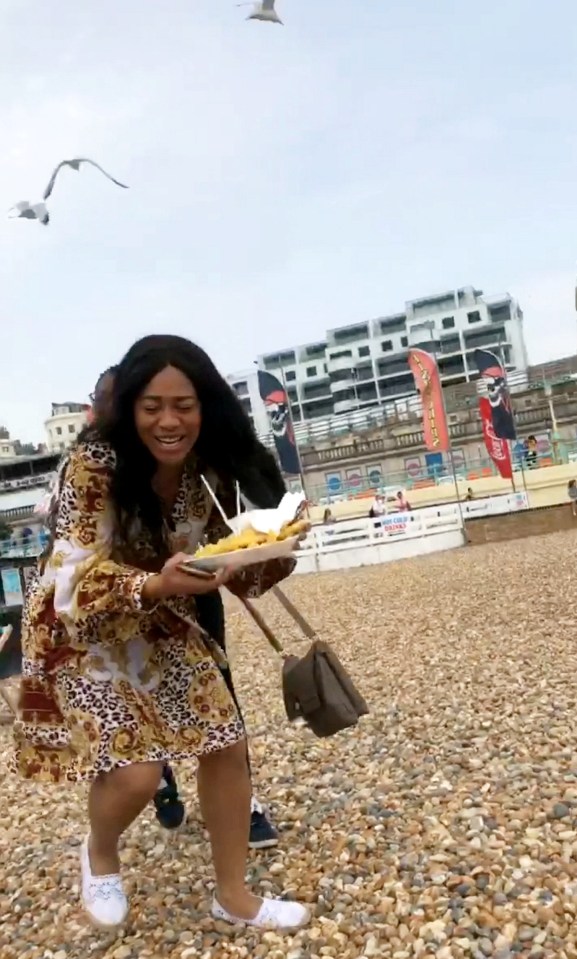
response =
{"points": [[276, 401], [494, 380]]}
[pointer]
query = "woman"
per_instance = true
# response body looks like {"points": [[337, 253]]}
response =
{"points": [[267, 489], [118, 678]]}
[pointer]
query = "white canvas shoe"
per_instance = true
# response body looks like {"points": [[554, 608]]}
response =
{"points": [[274, 914], [103, 897]]}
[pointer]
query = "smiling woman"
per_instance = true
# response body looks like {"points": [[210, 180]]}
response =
{"points": [[118, 678]]}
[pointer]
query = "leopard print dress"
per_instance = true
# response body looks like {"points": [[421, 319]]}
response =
{"points": [[108, 680]]}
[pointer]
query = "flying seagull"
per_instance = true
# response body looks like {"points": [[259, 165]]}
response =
{"points": [[31, 211], [75, 165], [263, 10], [39, 211]]}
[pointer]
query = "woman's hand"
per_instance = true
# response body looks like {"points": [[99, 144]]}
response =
{"points": [[171, 581]]}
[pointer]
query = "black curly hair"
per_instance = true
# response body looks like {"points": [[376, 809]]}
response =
{"points": [[227, 443]]}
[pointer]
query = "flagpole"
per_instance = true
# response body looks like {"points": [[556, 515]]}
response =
{"points": [[431, 326], [510, 442], [292, 425], [450, 450]]}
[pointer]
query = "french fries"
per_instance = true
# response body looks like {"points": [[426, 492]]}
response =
{"points": [[248, 539]]}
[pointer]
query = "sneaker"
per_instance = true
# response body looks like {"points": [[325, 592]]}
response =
{"points": [[263, 835], [103, 897], [274, 914], [170, 810]]}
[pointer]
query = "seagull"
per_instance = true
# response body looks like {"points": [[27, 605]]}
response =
{"points": [[75, 165], [263, 10], [31, 211], [39, 211]]}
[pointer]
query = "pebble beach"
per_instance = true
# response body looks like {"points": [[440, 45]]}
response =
{"points": [[444, 825]]}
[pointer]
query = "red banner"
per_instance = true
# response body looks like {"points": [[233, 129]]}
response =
{"points": [[426, 373], [497, 449]]}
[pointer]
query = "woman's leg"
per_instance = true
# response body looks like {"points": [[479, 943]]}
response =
{"points": [[224, 793], [115, 800]]}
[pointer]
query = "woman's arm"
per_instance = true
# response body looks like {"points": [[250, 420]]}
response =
{"points": [[92, 593]]}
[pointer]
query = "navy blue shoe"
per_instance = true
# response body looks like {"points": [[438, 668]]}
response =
{"points": [[170, 810], [263, 835]]}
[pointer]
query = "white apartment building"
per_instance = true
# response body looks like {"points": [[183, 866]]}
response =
{"points": [[364, 365], [64, 425]]}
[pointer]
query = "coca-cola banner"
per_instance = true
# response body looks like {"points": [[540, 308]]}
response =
{"points": [[497, 448]]}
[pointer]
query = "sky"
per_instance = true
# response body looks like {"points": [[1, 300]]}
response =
{"points": [[283, 180]]}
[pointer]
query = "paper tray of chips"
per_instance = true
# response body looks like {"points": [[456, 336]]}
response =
{"points": [[238, 558]]}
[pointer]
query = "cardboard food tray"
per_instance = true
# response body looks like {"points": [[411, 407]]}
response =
{"points": [[246, 557]]}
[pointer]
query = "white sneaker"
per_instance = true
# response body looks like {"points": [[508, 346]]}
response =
{"points": [[103, 897], [274, 914]]}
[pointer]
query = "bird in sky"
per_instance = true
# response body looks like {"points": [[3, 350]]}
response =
{"points": [[39, 211], [75, 165], [264, 10], [30, 211]]}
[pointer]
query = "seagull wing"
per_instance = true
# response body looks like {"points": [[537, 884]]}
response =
{"points": [[52, 180], [267, 5], [98, 167]]}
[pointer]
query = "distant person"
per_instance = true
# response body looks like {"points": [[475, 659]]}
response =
{"points": [[328, 518], [403, 504], [470, 495], [572, 494], [377, 507], [531, 453]]}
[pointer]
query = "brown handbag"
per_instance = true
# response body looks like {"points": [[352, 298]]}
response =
{"points": [[316, 687]]}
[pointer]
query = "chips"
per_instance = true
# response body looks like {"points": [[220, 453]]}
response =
{"points": [[249, 538]]}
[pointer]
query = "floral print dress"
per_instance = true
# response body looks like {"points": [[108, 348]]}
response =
{"points": [[108, 680]]}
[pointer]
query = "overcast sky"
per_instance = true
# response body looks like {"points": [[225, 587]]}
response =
{"points": [[284, 180]]}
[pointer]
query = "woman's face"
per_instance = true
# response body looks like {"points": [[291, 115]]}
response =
{"points": [[167, 416]]}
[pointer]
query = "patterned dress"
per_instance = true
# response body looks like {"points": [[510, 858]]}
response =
{"points": [[107, 679]]}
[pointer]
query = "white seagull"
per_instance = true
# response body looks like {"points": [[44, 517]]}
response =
{"points": [[39, 211], [75, 165], [31, 211], [264, 10]]}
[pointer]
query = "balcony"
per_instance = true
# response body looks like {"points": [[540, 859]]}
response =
{"points": [[339, 385], [346, 406], [341, 362]]}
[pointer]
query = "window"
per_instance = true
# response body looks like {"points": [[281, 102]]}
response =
{"points": [[404, 340], [474, 317], [393, 324], [386, 345], [448, 322], [340, 354], [290, 375], [364, 351], [59, 430], [349, 333], [311, 371], [71, 428], [241, 387]]}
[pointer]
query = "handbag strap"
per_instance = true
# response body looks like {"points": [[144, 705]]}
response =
{"points": [[273, 640]]}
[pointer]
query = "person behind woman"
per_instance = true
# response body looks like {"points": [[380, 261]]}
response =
{"points": [[118, 678], [264, 480]]}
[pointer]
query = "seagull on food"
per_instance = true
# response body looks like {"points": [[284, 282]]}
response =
{"points": [[264, 10], [39, 211]]}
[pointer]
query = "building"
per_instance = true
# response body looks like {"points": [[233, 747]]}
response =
{"points": [[65, 423], [8, 449], [364, 365]]}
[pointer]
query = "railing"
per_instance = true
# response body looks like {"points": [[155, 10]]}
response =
{"points": [[362, 532], [14, 548]]}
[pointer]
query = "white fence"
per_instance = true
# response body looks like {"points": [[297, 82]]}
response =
{"points": [[365, 541]]}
